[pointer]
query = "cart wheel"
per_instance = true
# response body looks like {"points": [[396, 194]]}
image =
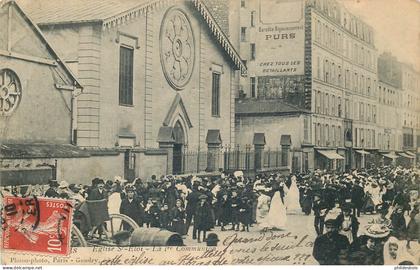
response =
{"points": [[77, 238], [118, 223]]}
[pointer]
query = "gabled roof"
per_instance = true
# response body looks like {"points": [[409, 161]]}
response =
{"points": [[111, 13], [7, 3], [265, 107]]}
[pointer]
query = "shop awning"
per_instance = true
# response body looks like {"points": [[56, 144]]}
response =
{"points": [[330, 154], [390, 155], [402, 154], [362, 152], [23, 176], [410, 154]]}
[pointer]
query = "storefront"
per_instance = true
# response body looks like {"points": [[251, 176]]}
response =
{"points": [[329, 160]]}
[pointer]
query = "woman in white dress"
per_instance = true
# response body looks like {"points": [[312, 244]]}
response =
{"points": [[292, 199], [263, 206], [276, 218]]}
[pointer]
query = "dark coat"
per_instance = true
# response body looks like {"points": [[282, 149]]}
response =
{"points": [[202, 217], [245, 216], [51, 193], [357, 196], [95, 194], [226, 211], [154, 213], [192, 202], [133, 209], [307, 201], [235, 201], [177, 220], [413, 226], [327, 247], [164, 219], [320, 208], [172, 195], [354, 224], [367, 256], [399, 229]]}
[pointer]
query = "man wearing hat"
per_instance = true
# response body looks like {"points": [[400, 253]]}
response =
{"points": [[212, 240], [192, 202], [347, 223], [357, 197], [327, 247], [320, 210], [99, 192], [132, 207], [52, 191], [202, 217]]}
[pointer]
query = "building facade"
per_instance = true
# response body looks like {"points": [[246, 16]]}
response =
{"points": [[158, 78], [399, 92], [37, 91], [321, 58]]}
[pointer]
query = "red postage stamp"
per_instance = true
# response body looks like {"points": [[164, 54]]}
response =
{"points": [[38, 225]]}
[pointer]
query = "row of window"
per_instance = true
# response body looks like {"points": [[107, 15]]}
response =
{"points": [[411, 120], [348, 21], [364, 138], [126, 73], [332, 38], [332, 73], [412, 102], [408, 140], [388, 142], [326, 135], [388, 96], [329, 104]]}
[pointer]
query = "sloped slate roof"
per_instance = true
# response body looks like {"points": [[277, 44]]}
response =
{"points": [[111, 13], [268, 107], [68, 11], [38, 32], [40, 150]]}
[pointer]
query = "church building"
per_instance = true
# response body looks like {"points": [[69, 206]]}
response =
{"points": [[159, 81]]}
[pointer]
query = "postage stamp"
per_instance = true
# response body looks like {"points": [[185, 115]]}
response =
{"points": [[37, 225]]}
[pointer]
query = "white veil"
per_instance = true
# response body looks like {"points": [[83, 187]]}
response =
{"points": [[277, 214], [292, 199]]}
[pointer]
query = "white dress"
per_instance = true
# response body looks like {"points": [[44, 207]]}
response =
{"points": [[276, 218], [263, 206], [292, 199], [114, 202]]}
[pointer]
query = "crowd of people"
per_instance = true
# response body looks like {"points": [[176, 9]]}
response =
{"points": [[196, 205]]}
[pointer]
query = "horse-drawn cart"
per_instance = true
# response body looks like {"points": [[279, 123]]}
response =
{"points": [[94, 226]]}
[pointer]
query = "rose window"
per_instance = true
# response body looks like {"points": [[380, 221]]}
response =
{"points": [[10, 91], [177, 48]]}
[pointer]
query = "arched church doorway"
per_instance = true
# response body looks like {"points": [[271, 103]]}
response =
{"points": [[179, 145]]}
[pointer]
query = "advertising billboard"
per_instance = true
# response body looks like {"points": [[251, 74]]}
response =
{"points": [[280, 38]]}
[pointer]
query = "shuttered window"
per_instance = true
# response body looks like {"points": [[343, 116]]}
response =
{"points": [[126, 76], [215, 95]]}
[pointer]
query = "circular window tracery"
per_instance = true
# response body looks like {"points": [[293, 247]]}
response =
{"points": [[177, 51], [10, 91]]}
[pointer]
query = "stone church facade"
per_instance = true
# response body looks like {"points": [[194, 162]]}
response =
{"points": [[159, 81]]}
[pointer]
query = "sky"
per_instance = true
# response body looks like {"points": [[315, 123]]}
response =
{"points": [[396, 24]]}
